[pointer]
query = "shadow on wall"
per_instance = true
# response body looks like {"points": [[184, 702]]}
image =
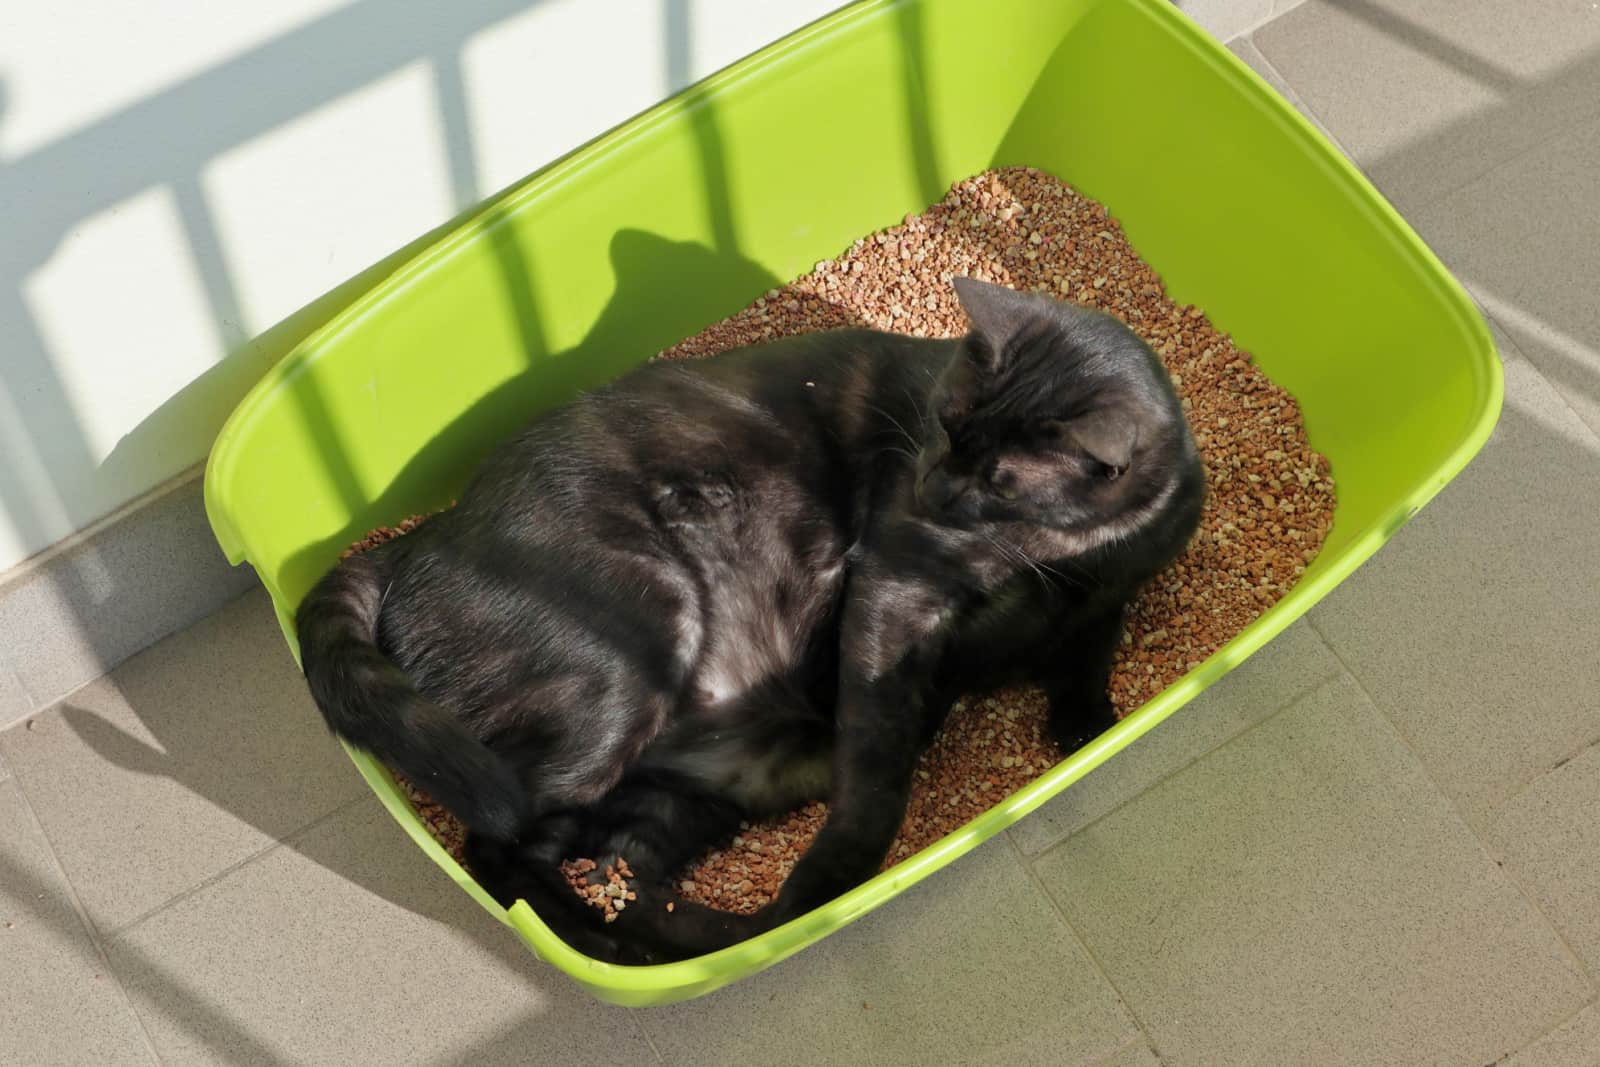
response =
{"points": [[194, 122], [56, 477]]}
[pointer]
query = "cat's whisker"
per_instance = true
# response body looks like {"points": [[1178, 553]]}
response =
{"points": [[898, 425], [912, 456], [916, 404], [1016, 555]]}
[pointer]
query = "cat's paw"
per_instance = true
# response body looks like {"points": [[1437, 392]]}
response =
{"points": [[717, 491], [1072, 727]]}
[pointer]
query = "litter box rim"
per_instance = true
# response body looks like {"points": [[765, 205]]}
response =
{"points": [[665, 983]]}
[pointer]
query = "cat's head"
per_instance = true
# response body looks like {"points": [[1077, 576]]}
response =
{"points": [[1055, 415]]}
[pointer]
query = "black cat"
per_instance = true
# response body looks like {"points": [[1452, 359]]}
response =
{"points": [[711, 590]]}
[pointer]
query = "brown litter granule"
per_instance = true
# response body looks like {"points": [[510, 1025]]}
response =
{"points": [[386, 533], [445, 827], [1268, 509], [611, 896]]}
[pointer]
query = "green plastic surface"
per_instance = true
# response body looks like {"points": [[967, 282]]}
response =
{"points": [[691, 210]]}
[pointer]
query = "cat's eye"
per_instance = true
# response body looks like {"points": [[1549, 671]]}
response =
{"points": [[1004, 485]]}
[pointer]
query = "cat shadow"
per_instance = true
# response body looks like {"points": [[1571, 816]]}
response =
{"points": [[665, 290], [211, 765]]}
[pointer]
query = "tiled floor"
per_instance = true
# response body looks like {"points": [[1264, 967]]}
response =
{"points": [[1374, 843]]}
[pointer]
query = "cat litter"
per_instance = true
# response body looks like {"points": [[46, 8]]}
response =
{"points": [[1269, 503]]}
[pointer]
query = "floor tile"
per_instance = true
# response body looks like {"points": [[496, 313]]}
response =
{"points": [[1245, 49], [1291, 664], [1224, 19], [1575, 1043], [1526, 240], [291, 959], [1430, 94], [15, 704], [1305, 895], [1472, 628], [1549, 837], [194, 755], [972, 966], [76, 615], [1135, 1055], [58, 1005]]}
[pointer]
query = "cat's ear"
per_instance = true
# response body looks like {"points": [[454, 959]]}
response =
{"points": [[1106, 434], [996, 313]]}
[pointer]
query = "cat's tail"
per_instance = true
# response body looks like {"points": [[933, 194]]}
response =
{"points": [[371, 703]]}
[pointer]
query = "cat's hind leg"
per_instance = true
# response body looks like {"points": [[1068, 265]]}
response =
{"points": [[655, 821]]}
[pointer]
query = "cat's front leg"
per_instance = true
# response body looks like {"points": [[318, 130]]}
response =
{"points": [[1077, 678], [888, 644]]}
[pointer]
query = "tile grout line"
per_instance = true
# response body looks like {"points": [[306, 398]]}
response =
{"points": [[1523, 787], [1454, 809], [1099, 967], [1579, 1010], [1271, 17], [638, 1024], [1132, 1042], [1288, 702], [1531, 367], [1299, 101], [1431, 198], [41, 706], [212, 879], [88, 926], [32, 564], [1527, 360], [1272, 716], [1435, 198]]}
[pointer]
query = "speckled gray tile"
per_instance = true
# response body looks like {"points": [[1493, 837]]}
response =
{"points": [[1280, 7], [1430, 94], [190, 757], [1135, 1055], [1549, 838], [1224, 19], [58, 1005], [1246, 50], [1575, 1043], [74, 616], [971, 966], [291, 959], [1291, 664], [1304, 895], [1526, 240], [1466, 627], [15, 704]]}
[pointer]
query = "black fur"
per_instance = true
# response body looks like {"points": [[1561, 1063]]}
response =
{"points": [[711, 590]]}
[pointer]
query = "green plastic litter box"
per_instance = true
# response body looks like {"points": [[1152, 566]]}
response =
{"points": [[689, 211]]}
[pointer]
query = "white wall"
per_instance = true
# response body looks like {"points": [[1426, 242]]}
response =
{"points": [[178, 176]]}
